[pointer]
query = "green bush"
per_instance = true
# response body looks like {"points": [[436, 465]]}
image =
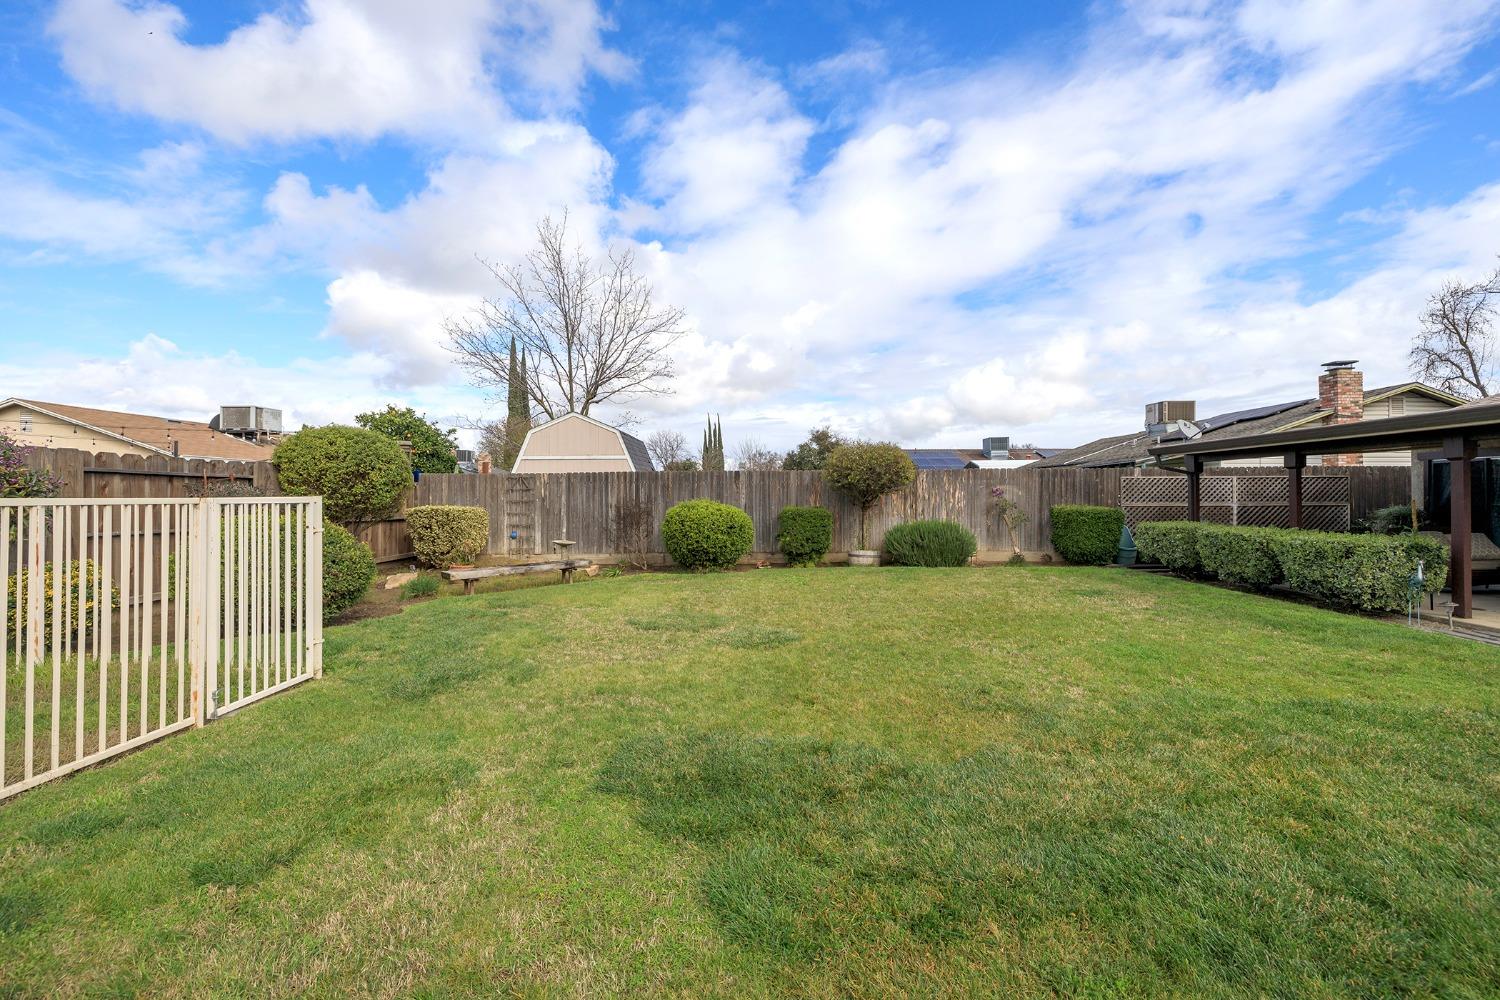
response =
{"points": [[806, 534], [348, 570], [706, 534], [1244, 556], [359, 474], [865, 472], [424, 585], [1088, 536], [1393, 520], [1367, 572], [1174, 544], [930, 543], [444, 535]]}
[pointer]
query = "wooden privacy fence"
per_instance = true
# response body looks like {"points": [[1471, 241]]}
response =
{"points": [[129, 620], [592, 508], [1261, 501], [106, 475]]}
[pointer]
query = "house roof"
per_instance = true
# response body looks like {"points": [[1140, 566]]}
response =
{"points": [[640, 455], [1133, 449], [194, 438]]}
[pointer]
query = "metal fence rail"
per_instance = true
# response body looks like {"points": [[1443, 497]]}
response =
{"points": [[115, 620]]}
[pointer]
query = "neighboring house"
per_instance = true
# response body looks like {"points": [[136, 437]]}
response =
{"points": [[576, 443], [1342, 398], [60, 425], [993, 453]]}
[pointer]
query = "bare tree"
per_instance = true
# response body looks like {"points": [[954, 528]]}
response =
{"points": [[1455, 347], [752, 456], [666, 447], [589, 332]]}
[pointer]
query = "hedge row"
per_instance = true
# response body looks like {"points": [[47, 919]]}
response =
{"points": [[1367, 572], [1087, 535]]}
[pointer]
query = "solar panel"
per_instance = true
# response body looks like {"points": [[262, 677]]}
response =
{"points": [[924, 458]]}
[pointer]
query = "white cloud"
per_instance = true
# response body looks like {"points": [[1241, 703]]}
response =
{"points": [[352, 68]]}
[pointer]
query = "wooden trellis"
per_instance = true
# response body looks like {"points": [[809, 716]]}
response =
{"points": [[1260, 501]]}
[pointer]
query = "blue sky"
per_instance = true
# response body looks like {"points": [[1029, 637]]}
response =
{"points": [[927, 222]]}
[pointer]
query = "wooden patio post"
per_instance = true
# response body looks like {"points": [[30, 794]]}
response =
{"points": [[1294, 463], [1194, 466], [1460, 453]]}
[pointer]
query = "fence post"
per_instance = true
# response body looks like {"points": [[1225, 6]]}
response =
{"points": [[315, 585], [203, 603]]}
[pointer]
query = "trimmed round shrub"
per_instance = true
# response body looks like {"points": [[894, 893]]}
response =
{"points": [[348, 570], [359, 474], [706, 534], [805, 535], [444, 535], [867, 471], [930, 543], [1244, 556], [1174, 544], [1086, 535]]}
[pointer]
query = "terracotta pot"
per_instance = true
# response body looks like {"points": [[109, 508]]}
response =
{"points": [[864, 557]]}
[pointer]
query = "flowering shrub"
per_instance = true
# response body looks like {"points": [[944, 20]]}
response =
{"points": [[17, 479], [80, 577]]}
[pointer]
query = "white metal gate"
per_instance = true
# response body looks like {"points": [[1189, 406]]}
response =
{"points": [[128, 620]]}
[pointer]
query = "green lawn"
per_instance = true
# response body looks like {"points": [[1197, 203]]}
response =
{"points": [[1027, 782]]}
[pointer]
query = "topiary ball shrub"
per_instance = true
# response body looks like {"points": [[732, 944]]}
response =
{"points": [[348, 570], [444, 535], [930, 543], [1174, 544], [359, 474], [1086, 535], [866, 471], [706, 534], [806, 534]]}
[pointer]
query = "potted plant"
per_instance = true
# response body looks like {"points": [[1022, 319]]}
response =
{"points": [[864, 472]]}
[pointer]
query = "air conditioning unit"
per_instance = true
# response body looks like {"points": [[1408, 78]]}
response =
{"points": [[249, 420], [1170, 411], [996, 447]]}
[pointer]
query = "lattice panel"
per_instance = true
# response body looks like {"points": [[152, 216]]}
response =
{"points": [[1153, 490], [1260, 501], [1265, 490], [1325, 489]]}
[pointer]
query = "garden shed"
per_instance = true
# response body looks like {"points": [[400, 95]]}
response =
{"points": [[576, 443]]}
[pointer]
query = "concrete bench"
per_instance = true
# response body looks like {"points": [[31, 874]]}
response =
{"points": [[469, 576]]}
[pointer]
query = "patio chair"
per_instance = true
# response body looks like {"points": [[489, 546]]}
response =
{"points": [[1486, 554]]}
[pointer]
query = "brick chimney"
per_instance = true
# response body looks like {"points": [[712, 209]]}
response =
{"points": [[1341, 391]]}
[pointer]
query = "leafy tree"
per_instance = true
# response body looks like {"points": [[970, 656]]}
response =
{"points": [[813, 453], [866, 471], [713, 447], [681, 465], [432, 449]]}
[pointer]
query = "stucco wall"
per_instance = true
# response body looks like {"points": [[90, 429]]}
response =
{"points": [[42, 431]]}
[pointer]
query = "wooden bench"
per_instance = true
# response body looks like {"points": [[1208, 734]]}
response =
{"points": [[469, 576]]}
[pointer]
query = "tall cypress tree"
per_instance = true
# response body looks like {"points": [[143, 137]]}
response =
{"points": [[713, 446], [517, 407]]}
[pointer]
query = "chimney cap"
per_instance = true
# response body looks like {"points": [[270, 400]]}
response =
{"points": [[1331, 365]]}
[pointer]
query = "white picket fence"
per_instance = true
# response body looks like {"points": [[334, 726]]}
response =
{"points": [[129, 620]]}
